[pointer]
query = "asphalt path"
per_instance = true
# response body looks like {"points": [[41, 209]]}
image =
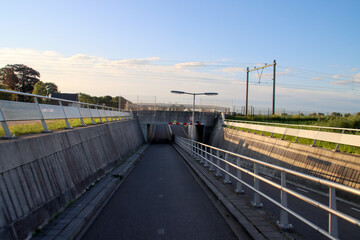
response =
{"points": [[315, 215], [160, 199]]}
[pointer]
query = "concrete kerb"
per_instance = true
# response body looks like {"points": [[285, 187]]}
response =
{"points": [[73, 222], [242, 218]]}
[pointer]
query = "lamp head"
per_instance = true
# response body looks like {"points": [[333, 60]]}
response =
{"points": [[178, 92], [211, 93]]}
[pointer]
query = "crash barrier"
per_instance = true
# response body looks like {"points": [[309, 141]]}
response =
{"points": [[212, 157], [55, 108], [345, 136]]}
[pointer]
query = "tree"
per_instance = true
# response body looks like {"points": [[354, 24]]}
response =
{"points": [[50, 88], [19, 77], [40, 89], [4, 96], [8, 78]]}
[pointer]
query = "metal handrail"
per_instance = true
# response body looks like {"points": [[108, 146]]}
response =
{"points": [[55, 99], [292, 125], [109, 111], [199, 150], [298, 131]]}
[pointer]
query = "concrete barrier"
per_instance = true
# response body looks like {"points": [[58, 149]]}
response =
{"points": [[335, 166], [40, 175]]}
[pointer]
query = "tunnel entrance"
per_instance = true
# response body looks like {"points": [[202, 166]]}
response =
{"points": [[159, 133]]}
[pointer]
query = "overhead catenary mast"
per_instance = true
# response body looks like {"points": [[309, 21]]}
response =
{"points": [[247, 85]]}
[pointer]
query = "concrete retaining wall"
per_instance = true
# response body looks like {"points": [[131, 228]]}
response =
{"points": [[335, 166], [40, 175]]}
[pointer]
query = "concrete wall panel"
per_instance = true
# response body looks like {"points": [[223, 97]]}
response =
{"points": [[335, 166], [39, 175]]}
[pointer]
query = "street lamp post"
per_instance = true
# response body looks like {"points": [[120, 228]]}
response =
{"points": [[193, 112]]}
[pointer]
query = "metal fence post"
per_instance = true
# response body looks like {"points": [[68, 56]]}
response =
{"points": [[239, 186], [256, 202], [218, 171], [91, 116], [338, 145], [106, 117], [81, 117], [206, 157], [333, 223], [283, 136], [101, 121], [5, 126], [284, 216], [297, 138], [202, 154], [227, 177], [42, 119], [68, 126], [110, 114], [212, 168], [314, 143]]}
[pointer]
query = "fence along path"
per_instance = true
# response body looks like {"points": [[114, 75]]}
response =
{"points": [[320, 134], [213, 156], [56, 109]]}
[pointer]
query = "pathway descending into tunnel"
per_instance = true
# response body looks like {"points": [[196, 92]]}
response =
{"points": [[160, 199]]}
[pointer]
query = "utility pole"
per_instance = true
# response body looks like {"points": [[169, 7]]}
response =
{"points": [[273, 103], [247, 85], [247, 91]]}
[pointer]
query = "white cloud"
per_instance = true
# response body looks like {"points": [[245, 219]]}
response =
{"points": [[317, 78], [151, 77], [233, 69], [192, 65]]}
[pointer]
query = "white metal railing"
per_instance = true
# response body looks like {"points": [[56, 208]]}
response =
{"points": [[22, 111], [211, 156], [316, 133]]}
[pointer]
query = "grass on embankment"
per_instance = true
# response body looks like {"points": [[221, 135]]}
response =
{"points": [[26, 129], [335, 120], [346, 121]]}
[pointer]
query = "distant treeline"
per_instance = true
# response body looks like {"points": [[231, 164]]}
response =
{"points": [[105, 100]]}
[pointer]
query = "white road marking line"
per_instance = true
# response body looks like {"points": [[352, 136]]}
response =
{"points": [[302, 190], [355, 209]]}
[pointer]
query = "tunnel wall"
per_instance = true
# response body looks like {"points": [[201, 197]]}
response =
{"points": [[335, 166], [40, 175]]}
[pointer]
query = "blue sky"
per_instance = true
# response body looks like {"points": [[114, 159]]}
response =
{"points": [[148, 48]]}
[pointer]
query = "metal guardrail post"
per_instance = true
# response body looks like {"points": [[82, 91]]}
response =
{"points": [[283, 136], [314, 143], [81, 117], [206, 157], [333, 223], [212, 168], [227, 177], [5, 127], [68, 126], [202, 154], [42, 119], [338, 145], [297, 138], [91, 116], [218, 171], [101, 121], [110, 114], [106, 117], [239, 186], [284, 216], [256, 202]]}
